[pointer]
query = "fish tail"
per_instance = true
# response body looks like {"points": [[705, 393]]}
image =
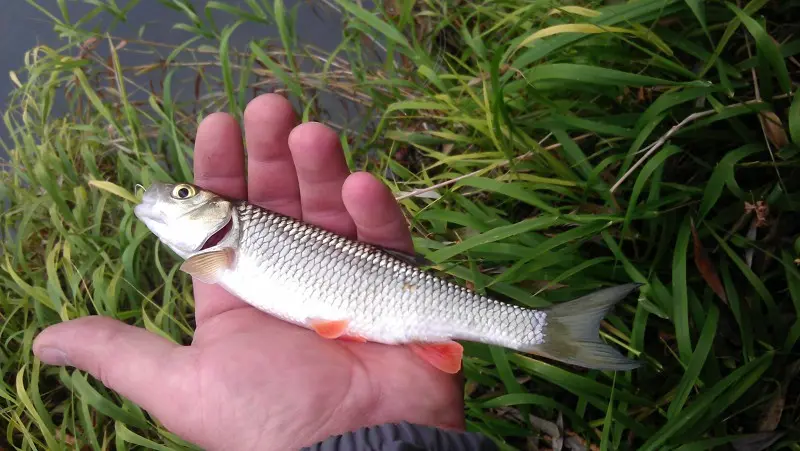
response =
{"points": [[571, 331]]}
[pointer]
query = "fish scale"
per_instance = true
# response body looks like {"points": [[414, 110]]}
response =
{"points": [[383, 297], [344, 288]]}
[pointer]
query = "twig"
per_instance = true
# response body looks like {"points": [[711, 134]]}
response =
{"points": [[417, 192], [657, 145], [649, 150], [524, 156], [338, 61]]}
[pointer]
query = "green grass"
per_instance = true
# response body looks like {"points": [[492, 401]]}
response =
{"points": [[546, 128]]}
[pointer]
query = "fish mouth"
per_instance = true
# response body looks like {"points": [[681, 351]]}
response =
{"points": [[145, 212], [218, 236]]}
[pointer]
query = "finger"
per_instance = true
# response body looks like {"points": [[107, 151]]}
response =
{"points": [[135, 363], [219, 167], [321, 172], [219, 156], [375, 212], [272, 180]]}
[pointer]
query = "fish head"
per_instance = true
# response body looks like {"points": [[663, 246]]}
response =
{"points": [[185, 217]]}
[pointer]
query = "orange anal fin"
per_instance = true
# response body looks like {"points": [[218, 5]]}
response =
{"points": [[330, 329], [443, 356]]}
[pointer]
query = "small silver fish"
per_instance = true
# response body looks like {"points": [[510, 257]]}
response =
{"points": [[345, 289]]}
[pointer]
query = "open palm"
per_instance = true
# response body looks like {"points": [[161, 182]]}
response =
{"points": [[250, 381]]}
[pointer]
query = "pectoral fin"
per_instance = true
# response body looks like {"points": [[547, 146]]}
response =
{"points": [[207, 266]]}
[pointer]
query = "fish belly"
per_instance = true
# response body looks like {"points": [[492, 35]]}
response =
{"points": [[269, 290]]}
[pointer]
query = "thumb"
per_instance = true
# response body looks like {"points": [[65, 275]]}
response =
{"points": [[135, 363]]}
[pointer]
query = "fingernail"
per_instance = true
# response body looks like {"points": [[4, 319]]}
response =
{"points": [[53, 356]]}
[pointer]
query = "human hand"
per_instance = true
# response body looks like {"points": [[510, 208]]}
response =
{"points": [[249, 380]]}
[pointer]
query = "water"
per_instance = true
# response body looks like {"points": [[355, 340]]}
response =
{"points": [[24, 27]]}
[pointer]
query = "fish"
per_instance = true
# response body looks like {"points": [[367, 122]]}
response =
{"points": [[344, 289]]}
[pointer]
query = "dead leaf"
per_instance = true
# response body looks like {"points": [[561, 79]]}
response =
{"points": [[756, 442], [89, 43], [761, 210], [197, 84], [558, 442], [391, 8], [773, 128], [574, 441], [546, 426], [477, 80], [66, 438], [772, 415], [86, 47], [706, 267]]}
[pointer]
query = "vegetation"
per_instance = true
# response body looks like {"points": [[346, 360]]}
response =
{"points": [[541, 150]]}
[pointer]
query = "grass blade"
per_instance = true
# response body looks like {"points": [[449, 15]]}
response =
{"points": [[703, 404], [695, 363], [679, 291], [766, 46], [491, 236]]}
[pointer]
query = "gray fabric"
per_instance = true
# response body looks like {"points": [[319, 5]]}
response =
{"points": [[405, 437]]}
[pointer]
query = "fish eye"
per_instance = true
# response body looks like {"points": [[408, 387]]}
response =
{"points": [[183, 192]]}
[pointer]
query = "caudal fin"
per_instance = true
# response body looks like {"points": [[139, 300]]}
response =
{"points": [[571, 334]]}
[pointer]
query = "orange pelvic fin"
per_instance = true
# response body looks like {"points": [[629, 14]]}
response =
{"points": [[444, 356], [330, 329]]}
